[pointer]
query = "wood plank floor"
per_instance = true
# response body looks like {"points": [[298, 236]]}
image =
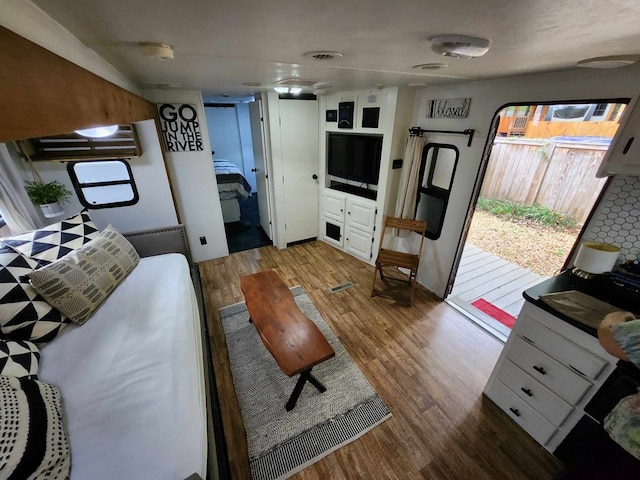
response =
{"points": [[428, 363]]}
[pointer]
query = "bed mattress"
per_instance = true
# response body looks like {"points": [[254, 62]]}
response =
{"points": [[132, 379]]}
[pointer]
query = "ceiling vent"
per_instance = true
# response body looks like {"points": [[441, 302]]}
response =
{"points": [[323, 55], [460, 46], [430, 66]]}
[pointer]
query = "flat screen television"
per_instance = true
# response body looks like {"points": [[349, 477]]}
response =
{"points": [[354, 157]]}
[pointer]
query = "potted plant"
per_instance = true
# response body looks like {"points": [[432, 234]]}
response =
{"points": [[48, 196]]}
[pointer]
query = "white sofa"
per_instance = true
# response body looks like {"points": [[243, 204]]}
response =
{"points": [[135, 378]]}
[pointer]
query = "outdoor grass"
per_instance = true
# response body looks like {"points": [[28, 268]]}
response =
{"points": [[533, 213]]}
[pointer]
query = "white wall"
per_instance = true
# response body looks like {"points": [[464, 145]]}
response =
{"points": [[224, 135], [194, 183], [487, 98], [155, 207], [30, 22]]}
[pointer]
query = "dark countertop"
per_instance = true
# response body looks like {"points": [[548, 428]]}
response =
{"points": [[600, 287]]}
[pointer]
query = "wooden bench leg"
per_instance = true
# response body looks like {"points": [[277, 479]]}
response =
{"points": [[297, 390]]}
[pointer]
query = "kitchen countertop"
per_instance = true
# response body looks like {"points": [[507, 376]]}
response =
{"points": [[600, 287]]}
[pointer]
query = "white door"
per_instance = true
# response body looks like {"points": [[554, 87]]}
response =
{"points": [[300, 162], [259, 155], [333, 205], [361, 214], [359, 243]]}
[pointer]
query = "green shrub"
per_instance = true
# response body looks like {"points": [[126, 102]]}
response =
{"points": [[533, 213]]}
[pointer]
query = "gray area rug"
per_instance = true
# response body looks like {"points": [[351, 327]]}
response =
{"points": [[281, 443]]}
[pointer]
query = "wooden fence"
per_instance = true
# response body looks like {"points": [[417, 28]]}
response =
{"points": [[558, 175]]}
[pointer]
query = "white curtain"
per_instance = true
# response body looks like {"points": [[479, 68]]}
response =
{"points": [[15, 206], [408, 190]]}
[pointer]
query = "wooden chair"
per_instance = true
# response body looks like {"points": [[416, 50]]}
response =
{"points": [[393, 258]]}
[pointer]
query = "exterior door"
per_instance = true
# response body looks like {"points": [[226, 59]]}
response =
{"points": [[299, 140], [259, 155]]}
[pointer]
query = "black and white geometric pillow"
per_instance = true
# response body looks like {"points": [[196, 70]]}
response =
{"points": [[33, 443], [19, 358], [24, 314], [48, 244]]}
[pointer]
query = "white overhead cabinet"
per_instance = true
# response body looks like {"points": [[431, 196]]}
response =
{"points": [[624, 155]]}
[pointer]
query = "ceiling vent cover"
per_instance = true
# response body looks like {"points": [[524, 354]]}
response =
{"points": [[323, 55]]}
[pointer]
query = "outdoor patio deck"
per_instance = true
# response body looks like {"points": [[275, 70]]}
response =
{"points": [[499, 282]]}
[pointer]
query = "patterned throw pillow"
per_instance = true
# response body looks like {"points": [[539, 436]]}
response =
{"points": [[78, 283], [19, 358], [24, 314], [53, 242], [33, 443]]}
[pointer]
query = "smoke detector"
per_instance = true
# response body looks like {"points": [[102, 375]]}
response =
{"points": [[156, 51], [460, 46]]}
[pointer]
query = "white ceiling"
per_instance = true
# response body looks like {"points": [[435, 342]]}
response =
{"points": [[219, 44]]}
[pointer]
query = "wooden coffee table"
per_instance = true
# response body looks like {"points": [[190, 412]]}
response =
{"points": [[294, 341]]}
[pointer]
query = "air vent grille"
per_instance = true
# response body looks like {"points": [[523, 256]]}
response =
{"points": [[323, 55], [342, 286]]}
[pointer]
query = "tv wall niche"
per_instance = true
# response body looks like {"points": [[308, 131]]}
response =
{"points": [[354, 157]]}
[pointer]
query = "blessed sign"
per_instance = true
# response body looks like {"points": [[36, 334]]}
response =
{"points": [[180, 127], [448, 108]]}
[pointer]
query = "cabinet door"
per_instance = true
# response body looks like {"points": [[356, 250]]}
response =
{"points": [[359, 243], [361, 214], [624, 154], [332, 232], [333, 205]]}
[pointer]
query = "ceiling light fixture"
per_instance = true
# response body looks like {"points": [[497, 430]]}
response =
{"points": [[612, 61], [98, 132], [156, 51], [281, 89], [295, 90], [460, 46]]}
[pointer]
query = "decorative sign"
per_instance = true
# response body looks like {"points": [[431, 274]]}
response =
{"points": [[180, 127], [448, 108]]}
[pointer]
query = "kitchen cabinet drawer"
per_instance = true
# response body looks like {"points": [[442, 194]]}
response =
{"points": [[543, 400], [534, 424], [562, 349], [568, 385]]}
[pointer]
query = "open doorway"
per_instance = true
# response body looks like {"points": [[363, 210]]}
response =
{"points": [[237, 170], [538, 190]]}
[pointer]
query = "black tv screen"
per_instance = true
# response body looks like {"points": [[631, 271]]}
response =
{"points": [[354, 157]]}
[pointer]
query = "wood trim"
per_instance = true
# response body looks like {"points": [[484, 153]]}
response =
{"points": [[43, 94]]}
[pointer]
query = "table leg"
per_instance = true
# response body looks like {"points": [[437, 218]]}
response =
{"points": [[297, 390]]}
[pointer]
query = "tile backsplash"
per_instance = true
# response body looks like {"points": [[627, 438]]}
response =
{"points": [[617, 220]]}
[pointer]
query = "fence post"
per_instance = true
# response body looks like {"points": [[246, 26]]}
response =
{"points": [[547, 154]]}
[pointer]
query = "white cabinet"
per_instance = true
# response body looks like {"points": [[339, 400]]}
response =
{"points": [[624, 155], [546, 374], [348, 222]]}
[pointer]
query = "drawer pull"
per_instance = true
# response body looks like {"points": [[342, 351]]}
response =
{"points": [[515, 411], [527, 391], [576, 370], [540, 370]]}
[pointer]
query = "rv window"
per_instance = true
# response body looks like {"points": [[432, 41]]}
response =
{"points": [[104, 184], [437, 169]]}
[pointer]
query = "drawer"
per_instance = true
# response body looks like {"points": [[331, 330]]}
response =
{"points": [[565, 383], [525, 416], [562, 349], [543, 400]]}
